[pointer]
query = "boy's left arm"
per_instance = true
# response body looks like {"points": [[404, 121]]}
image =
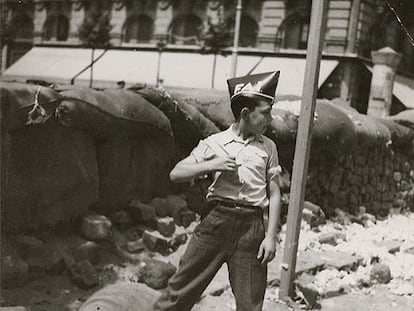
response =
{"points": [[267, 250]]}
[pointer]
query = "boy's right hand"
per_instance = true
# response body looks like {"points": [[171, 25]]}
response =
{"points": [[224, 163]]}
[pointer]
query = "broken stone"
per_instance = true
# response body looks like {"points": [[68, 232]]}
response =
{"points": [[313, 214], [176, 202], [164, 245], [162, 208], [409, 250], [58, 257], [157, 242], [156, 273], [392, 246], [380, 273], [340, 236], [89, 250], [187, 217], [141, 212], [74, 305], [308, 290], [14, 272], [328, 238], [96, 227], [166, 226], [28, 246], [122, 220], [341, 260], [83, 274], [135, 246]]}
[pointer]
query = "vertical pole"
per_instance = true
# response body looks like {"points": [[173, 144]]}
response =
{"points": [[236, 38], [303, 145], [157, 82]]}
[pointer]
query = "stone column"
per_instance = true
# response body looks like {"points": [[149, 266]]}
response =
{"points": [[385, 62], [273, 13], [77, 16], [39, 19], [118, 19]]}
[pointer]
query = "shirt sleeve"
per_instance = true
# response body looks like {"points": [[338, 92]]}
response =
{"points": [[202, 152], [273, 167]]}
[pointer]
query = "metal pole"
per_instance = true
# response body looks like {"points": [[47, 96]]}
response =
{"points": [[303, 146], [236, 38]]}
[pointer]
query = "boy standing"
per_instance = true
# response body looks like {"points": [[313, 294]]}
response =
{"points": [[245, 166]]}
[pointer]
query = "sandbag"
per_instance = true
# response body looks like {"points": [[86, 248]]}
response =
{"points": [[52, 176], [107, 113], [188, 124], [122, 296], [332, 129], [213, 104], [131, 168], [400, 135], [370, 131], [23, 104]]}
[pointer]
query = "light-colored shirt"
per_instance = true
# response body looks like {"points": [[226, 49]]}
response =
{"points": [[258, 164]]}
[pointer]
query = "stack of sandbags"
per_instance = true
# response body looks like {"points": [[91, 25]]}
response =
{"points": [[50, 173]]}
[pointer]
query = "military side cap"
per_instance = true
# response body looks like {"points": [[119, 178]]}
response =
{"points": [[262, 85]]}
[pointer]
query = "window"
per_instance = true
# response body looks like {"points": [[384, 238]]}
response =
{"points": [[185, 29], [138, 29], [248, 30], [22, 26], [56, 28], [293, 32]]}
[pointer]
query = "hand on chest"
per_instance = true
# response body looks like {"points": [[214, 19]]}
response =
{"points": [[247, 156]]}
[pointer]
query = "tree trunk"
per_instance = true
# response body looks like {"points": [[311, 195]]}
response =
{"points": [[213, 73], [91, 76]]}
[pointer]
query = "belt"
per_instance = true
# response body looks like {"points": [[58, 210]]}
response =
{"points": [[236, 206]]}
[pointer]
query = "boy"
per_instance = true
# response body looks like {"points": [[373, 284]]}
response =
{"points": [[245, 167]]}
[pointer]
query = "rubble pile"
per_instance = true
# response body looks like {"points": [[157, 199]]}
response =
{"points": [[132, 234], [383, 250]]}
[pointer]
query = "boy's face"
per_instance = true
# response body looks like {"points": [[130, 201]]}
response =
{"points": [[259, 119]]}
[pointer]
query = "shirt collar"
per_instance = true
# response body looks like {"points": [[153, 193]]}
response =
{"points": [[231, 136]]}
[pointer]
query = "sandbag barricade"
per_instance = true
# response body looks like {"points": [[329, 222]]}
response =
{"points": [[49, 172], [133, 139]]}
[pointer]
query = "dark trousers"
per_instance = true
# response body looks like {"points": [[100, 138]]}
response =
{"points": [[226, 234]]}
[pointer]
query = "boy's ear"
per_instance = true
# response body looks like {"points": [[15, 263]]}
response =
{"points": [[244, 113]]}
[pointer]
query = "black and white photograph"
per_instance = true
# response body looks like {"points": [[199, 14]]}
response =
{"points": [[206, 155]]}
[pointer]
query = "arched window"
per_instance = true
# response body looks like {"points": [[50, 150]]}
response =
{"points": [[293, 32], [138, 29], [22, 26], [248, 30], [56, 28], [185, 29]]}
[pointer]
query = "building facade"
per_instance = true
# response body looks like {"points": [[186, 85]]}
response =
{"points": [[354, 29]]}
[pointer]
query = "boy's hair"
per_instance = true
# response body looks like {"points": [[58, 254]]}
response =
{"points": [[240, 102]]}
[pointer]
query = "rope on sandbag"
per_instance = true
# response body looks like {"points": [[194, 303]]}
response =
{"points": [[37, 114]]}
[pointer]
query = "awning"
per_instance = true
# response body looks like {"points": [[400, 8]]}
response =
{"points": [[52, 64], [177, 69], [404, 90]]}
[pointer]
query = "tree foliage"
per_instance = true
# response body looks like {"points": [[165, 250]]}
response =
{"points": [[216, 38], [95, 30]]}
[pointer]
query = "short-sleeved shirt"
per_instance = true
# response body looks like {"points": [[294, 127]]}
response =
{"points": [[258, 162]]}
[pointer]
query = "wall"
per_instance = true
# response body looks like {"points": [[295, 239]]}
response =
{"points": [[379, 178]]}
